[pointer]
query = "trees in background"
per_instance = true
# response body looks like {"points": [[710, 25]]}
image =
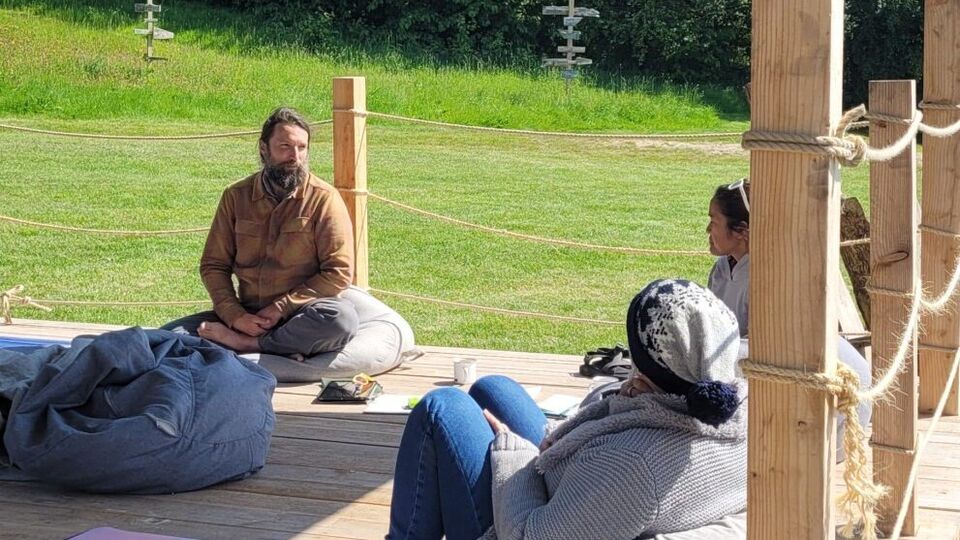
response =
{"points": [[696, 41]]}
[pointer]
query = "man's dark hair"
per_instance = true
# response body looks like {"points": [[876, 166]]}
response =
{"points": [[283, 115], [730, 203]]}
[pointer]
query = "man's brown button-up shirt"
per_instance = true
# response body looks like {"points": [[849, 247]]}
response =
{"points": [[290, 253]]}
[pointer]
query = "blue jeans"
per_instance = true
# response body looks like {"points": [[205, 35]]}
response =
{"points": [[442, 481]]}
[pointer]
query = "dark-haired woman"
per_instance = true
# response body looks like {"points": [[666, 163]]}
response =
{"points": [[729, 235]]}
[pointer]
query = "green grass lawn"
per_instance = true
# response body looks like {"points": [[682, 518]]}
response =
{"points": [[80, 71]]}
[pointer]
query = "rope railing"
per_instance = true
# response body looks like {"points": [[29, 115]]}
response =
{"points": [[934, 131], [504, 311], [855, 242], [12, 298], [536, 133], [122, 137], [409, 208], [396, 204], [387, 116], [117, 232], [538, 239], [851, 150]]}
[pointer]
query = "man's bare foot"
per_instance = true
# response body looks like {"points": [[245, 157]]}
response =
{"points": [[220, 333]]}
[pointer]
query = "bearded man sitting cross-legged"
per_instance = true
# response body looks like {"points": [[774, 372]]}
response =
{"points": [[286, 236]]}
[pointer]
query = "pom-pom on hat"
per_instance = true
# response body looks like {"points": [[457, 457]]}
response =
{"points": [[686, 340]]}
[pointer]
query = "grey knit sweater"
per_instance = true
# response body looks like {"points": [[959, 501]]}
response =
{"points": [[621, 468]]}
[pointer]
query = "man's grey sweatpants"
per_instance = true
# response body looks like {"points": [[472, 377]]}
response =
{"points": [[323, 326]]}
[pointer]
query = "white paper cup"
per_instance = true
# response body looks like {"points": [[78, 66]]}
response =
{"points": [[465, 371]]}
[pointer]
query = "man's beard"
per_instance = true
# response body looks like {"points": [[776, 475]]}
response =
{"points": [[280, 179]]}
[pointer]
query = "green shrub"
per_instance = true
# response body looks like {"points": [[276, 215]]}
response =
{"points": [[503, 32], [695, 41], [884, 40], [684, 40]]}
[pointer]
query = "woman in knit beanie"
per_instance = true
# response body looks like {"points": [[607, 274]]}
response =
{"points": [[666, 454]]}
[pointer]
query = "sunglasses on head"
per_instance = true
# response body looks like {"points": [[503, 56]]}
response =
{"points": [[738, 185]]}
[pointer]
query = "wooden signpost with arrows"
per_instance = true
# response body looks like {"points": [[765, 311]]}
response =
{"points": [[151, 32], [572, 16]]}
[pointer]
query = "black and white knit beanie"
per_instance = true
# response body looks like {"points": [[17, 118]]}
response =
{"points": [[686, 341]]}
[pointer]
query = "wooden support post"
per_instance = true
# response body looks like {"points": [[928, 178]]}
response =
{"points": [[794, 236], [896, 266], [350, 164], [150, 28], [941, 200]]}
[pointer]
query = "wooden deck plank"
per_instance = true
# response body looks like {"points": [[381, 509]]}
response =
{"points": [[329, 472], [23, 521], [230, 509]]}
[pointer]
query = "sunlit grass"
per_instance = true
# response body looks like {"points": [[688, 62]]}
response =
{"points": [[76, 68]]}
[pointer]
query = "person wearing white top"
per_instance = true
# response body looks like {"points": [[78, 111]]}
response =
{"points": [[729, 236]]}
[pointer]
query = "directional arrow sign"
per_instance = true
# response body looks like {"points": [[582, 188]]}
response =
{"points": [[565, 49], [158, 33], [570, 34], [563, 62], [571, 21], [140, 8], [564, 10]]}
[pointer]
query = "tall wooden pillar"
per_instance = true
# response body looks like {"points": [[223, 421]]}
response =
{"points": [[896, 266], [796, 72], [350, 164], [941, 202]]}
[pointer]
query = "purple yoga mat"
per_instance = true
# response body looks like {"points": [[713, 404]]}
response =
{"points": [[109, 533]]}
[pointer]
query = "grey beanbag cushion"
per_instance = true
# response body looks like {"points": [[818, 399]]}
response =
{"points": [[384, 340]]}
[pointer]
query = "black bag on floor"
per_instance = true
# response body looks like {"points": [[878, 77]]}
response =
{"points": [[607, 361]]}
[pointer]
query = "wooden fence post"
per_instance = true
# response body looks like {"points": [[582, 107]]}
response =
{"points": [[350, 164], [941, 202], [794, 236], [896, 266]]}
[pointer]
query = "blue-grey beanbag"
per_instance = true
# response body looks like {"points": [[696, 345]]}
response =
{"points": [[143, 411]]}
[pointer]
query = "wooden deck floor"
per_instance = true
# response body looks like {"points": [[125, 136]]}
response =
{"points": [[330, 466]]}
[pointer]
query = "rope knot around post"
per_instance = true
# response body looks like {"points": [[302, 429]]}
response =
{"points": [[861, 497], [11, 298], [849, 150]]}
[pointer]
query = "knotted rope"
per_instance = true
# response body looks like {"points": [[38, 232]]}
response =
{"points": [[849, 150], [862, 495], [10, 298]]}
